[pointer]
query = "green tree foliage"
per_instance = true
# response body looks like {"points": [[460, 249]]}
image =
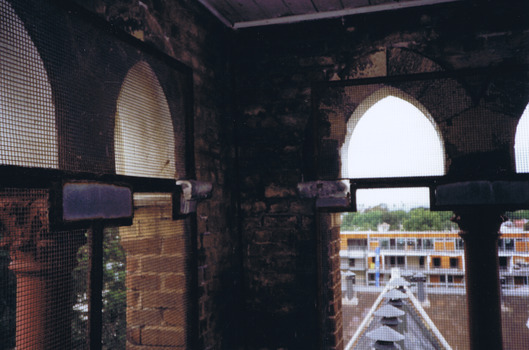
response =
{"points": [[114, 294], [421, 219], [517, 215], [114, 291], [418, 219]]}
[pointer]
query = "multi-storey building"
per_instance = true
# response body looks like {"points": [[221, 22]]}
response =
{"points": [[437, 255]]}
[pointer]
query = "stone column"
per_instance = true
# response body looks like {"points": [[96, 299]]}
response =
{"points": [[42, 262], [480, 231]]}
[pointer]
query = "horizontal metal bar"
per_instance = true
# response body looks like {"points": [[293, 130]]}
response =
{"points": [[425, 181], [396, 182], [20, 177]]}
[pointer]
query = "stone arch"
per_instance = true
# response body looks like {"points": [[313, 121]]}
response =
{"points": [[371, 101], [144, 135], [28, 131]]}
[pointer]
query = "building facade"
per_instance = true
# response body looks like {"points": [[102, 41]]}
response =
{"points": [[438, 255]]}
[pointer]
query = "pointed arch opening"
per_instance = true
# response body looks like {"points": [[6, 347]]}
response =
{"points": [[521, 143], [28, 132], [391, 134], [144, 134]]}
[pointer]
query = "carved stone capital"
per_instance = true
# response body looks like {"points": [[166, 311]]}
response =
{"points": [[479, 222], [25, 233]]}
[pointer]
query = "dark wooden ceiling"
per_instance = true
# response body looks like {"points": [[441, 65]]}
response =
{"points": [[253, 13]]}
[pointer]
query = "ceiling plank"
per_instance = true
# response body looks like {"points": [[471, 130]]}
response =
{"points": [[300, 7], [275, 8], [248, 9], [327, 5], [354, 3], [340, 13]]}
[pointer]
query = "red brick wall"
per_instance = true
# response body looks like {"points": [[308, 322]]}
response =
{"points": [[157, 303]]}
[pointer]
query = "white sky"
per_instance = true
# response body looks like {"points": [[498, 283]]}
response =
{"points": [[521, 143], [394, 138], [395, 198]]}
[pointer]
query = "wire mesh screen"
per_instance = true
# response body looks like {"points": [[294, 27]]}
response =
{"points": [[144, 140], [37, 283], [144, 281], [409, 129], [78, 98], [28, 135], [74, 97]]}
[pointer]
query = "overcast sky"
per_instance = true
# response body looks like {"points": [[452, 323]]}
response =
{"points": [[521, 143], [394, 138]]}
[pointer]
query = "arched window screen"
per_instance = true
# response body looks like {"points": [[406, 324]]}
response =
{"points": [[144, 139], [388, 136], [28, 132], [392, 138], [83, 102], [521, 143]]}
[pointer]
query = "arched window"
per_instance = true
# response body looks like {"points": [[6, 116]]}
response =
{"points": [[521, 143], [28, 133], [144, 136], [392, 135]]}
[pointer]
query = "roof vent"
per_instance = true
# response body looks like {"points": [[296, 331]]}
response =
{"points": [[395, 297], [399, 282], [389, 315], [385, 338], [420, 278]]}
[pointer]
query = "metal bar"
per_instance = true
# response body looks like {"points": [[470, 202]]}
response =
{"points": [[95, 287], [192, 283], [19, 177], [394, 182]]}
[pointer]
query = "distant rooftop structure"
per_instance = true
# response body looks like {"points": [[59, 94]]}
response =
{"points": [[383, 227], [413, 328]]}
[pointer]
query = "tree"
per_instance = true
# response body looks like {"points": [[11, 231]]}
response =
{"points": [[114, 294], [394, 219], [418, 219], [421, 219]]}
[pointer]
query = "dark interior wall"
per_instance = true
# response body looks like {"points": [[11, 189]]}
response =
{"points": [[188, 33], [275, 72], [264, 153]]}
